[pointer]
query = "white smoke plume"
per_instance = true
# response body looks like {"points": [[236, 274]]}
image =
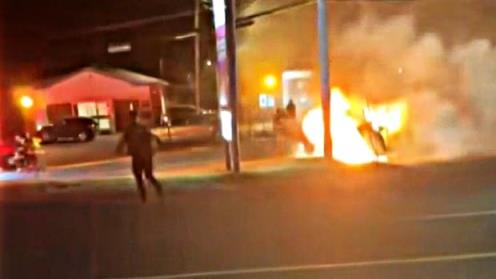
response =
{"points": [[450, 89], [451, 92]]}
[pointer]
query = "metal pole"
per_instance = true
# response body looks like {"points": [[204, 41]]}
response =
{"points": [[197, 54], [233, 88], [161, 66], [3, 88], [3, 109], [325, 75]]}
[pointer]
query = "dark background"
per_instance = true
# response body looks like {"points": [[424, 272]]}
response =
{"points": [[43, 39], [46, 38]]}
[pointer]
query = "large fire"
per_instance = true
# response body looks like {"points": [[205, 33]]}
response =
{"points": [[358, 130]]}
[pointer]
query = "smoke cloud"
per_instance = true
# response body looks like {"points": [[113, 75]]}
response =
{"points": [[450, 88]]}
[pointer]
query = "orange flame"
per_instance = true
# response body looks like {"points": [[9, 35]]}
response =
{"points": [[349, 145]]}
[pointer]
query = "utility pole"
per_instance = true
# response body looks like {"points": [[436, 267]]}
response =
{"points": [[225, 32], [161, 66], [4, 94], [325, 75], [233, 81], [197, 54]]}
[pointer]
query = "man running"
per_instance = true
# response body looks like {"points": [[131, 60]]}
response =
{"points": [[138, 139]]}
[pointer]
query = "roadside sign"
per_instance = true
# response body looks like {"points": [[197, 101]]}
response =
{"points": [[119, 47], [219, 8], [266, 101], [262, 100]]}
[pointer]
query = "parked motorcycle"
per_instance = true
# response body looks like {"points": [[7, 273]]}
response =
{"points": [[25, 157], [7, 151]]}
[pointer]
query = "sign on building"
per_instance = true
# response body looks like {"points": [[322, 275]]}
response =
{"points": [[266, 101]]}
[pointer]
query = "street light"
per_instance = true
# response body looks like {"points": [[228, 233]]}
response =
{"points": [[26, 102], [270, 82]]}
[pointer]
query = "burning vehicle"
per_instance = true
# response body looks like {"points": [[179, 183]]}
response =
{"points": [[361, 132]]}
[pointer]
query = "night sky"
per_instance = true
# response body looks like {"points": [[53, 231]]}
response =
{"points": [[45, 37]]}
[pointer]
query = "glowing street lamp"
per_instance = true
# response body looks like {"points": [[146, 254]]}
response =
{"points": [[270, 82], [26, 102]]}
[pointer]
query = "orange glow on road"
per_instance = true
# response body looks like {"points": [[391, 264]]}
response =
{"points": [[349, 145]]}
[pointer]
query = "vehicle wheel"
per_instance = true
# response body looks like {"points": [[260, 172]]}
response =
{"points": [[83, 136], [45, 137], [7, 163], [91, 135]]}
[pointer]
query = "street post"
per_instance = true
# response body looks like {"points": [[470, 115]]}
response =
{"points": [[224, 20], [325, 75], [197, 54]]}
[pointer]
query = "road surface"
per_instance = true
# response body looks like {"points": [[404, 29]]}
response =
{"points": [[97, 160], [306, 219]]}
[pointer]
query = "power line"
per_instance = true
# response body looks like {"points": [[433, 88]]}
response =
{"points": [[300, 4], [240, 21], [126, 25], [277, 10]]}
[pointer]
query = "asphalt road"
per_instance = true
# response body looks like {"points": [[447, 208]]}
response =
{"points": [[101, 149], [98, 160], [303, 219]]}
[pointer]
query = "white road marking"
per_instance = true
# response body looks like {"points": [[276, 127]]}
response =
{"points": [[320, 267], [438, 217], [90, 164]]}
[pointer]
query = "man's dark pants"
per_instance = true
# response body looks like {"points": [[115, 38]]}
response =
{"points": [[143, 165]]}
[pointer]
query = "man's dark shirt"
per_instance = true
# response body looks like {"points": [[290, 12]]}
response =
{"points": [[138, 139]]}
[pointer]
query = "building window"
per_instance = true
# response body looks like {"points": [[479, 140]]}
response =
{"points": [[92, 109], [98, 111], [87, 109], [102, 109]]}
